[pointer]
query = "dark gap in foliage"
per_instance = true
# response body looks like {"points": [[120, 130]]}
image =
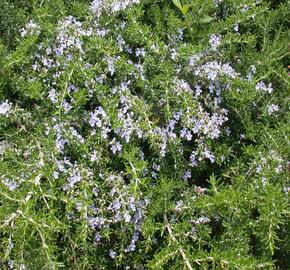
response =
{"points": [[9, 91], [282, 253], [254, 246], [221, 11], [255, 214], [274, 4], [201, 176], [119, 166], [146, 148], [216, 223]]}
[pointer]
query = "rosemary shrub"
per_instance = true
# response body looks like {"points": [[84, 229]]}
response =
{"points": [[144, 134]]}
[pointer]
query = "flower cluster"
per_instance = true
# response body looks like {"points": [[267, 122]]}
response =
{"points": [[97, 6], [31, 28], [272, 108], [261, 86], [5, 107]]}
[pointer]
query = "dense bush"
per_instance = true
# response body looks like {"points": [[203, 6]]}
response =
{"points": [[144, 134]]}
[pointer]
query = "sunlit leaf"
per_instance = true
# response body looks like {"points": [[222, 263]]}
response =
{"points": [[177, 3], [184, 9]]}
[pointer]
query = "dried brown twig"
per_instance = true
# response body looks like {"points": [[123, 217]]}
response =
{"points": [[181, 251]]}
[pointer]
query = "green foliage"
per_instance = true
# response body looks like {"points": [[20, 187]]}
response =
{"points": [[144, 134], [183, 8]]}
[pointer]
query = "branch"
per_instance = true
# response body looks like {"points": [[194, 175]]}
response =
{"points": [[181, 251]]}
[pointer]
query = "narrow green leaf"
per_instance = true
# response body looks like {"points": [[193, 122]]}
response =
{"points": [[206, 19], [184, 9], [177, 3]]}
